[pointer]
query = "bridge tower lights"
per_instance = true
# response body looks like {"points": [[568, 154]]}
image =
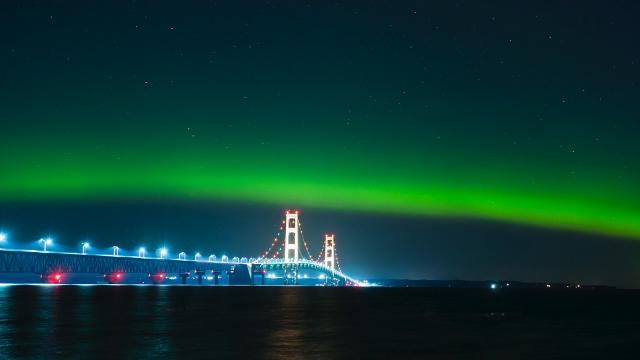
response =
{"points": [[85, 246]]}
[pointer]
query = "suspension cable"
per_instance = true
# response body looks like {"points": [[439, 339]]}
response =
{"points": [[317, 259], [306, 246], [335, 255], [272, 245]]}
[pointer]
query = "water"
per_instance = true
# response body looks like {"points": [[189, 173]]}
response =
{"points": [[137, 322]]}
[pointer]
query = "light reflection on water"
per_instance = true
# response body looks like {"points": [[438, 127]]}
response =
{"points": [[137, 322]]}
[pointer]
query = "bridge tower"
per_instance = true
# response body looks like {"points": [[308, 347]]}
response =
{"points": [[329, 251], [291, 236]]}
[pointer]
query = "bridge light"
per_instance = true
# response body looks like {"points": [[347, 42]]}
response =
{"points": [[182, 256], [85, 246], [141, 252], [116, 251], [493, 286], [45, 242], [197, 256], [163, 253], [3, 237]]}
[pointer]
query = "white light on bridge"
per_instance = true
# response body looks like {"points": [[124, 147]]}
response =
{"points": [[3, 237], [212, 258], [85, 246], [163, 253], [182, 256], [197, 256], [321, 276], [45, 242], [141, 252], [116, 251]]}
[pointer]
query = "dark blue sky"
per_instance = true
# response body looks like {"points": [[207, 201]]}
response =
{"points": [[437, 139]]}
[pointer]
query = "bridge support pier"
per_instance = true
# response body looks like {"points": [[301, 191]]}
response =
{"points": [[216, 277], [257, 272], [291, 275], [184, 277], [200, 274]]}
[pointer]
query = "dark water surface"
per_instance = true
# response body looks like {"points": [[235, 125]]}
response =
{"points": [[137, 322]]}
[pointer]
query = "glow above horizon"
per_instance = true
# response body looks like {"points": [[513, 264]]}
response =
{"points": [[259, 176], [388, 123]]}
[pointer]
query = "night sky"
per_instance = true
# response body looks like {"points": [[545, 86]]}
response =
{"points": [[438, 140]]}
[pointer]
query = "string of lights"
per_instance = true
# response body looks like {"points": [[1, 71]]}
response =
{"points": [[281, 232], [306, 246], [317, 259], [335, 255], [273, 244]]}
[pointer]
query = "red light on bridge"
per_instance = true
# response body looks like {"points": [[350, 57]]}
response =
{"points": [[157, 278], [54, 278], [114, 278]]}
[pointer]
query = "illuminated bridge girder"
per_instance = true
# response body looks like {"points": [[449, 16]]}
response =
{"points": [[291, 267], [42, 263]]}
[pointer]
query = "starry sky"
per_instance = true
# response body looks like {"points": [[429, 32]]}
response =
{"points": [[488, 139]]}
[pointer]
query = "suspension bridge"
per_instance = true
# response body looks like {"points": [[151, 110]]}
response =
{"points": [[286, 258]]}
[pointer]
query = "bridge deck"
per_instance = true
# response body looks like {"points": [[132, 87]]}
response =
{"points": [[39, 262]]}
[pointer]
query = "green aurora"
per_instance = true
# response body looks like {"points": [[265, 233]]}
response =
{"points": [[367, 179], [388, 123]]}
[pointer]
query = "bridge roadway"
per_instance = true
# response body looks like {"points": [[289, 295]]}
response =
{"points": [[46, 263], [333, 276]]}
